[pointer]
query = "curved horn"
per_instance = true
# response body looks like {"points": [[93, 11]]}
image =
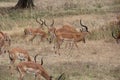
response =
{"points": [[42, 61], [46, 24], [36, 58], [41, 23], [83, 25], [59, 78], [114, 36]]}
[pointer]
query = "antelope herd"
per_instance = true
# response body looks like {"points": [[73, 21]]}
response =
{"points": [[52, 35]]}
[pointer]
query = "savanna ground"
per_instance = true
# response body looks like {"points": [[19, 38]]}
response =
{"points": [[97, 59]]}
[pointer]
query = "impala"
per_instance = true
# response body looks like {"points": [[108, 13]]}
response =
{"points": [[5, 42], [64, 28], [17, 54], [117, 38], [36, 31], [35, 68], [70, 36]]}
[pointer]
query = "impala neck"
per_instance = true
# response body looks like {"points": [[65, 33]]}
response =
{"points": [[46, 76]]}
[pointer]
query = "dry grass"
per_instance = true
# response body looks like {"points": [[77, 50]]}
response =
{"points": [[98, 59]]}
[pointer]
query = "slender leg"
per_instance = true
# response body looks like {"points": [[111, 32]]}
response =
{"points": [[84, 40], [12, 65], [76, 45], [37, 76], [21, 76], [56, 46], [33, 38]]}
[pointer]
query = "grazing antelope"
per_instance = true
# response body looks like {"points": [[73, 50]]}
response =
{"points": [[29, 31], [36, 31], [17, 54], [71, 36], [32, 67], [5, 42], [117, 38]]}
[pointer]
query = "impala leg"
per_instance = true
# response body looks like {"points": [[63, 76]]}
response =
{"points": [[77, 46], [12, 65], [35, 76], [21, 76], [57, 46], [32, 37], [84, 40], [57, 49], [27, 38], [39, 76], [21, 72], [71, 46], [68, 45]]}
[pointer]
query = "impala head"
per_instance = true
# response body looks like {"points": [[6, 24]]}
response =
{"points": [[50, 30], [84, 28], [6, 43], [7, 39]]}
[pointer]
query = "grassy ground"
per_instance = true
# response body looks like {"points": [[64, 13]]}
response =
{"points": [[98, 59]]}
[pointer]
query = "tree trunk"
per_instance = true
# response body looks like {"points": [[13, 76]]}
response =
{"points": [[25, 4]]}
